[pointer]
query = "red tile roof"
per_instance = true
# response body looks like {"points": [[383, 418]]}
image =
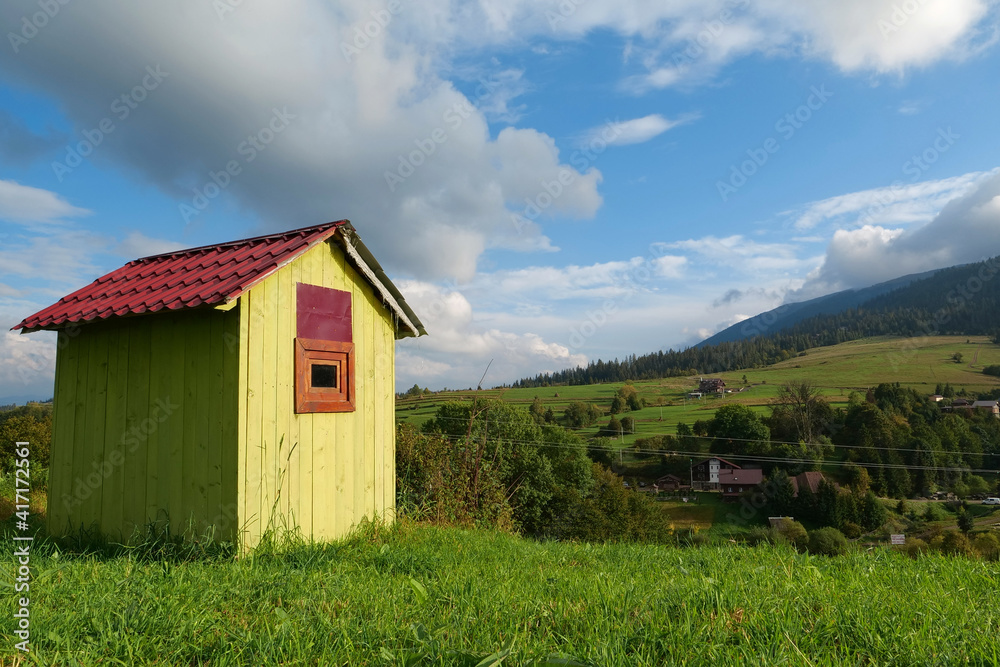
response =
{"points": [[205, 276]]}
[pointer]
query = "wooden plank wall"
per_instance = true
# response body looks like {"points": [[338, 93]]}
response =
{"points": [[319, 474], [144, 430]]}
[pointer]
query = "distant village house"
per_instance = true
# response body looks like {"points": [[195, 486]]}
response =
{"points": [[711, 386], [670, 483]]}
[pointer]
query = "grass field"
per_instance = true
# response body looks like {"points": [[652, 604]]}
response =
{"points": [[435, 596], [920, 363]]}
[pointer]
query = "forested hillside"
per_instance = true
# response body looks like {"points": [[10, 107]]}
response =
{"points": [[961, 300]]}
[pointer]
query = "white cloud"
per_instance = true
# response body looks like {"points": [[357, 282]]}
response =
{"points": [[882, 35], [670, 266], [966, 230], [51, 263], [137, 245], [688, 42], [25, 204], [27, 365], [495, 94], [378, 136], [635, 131], [362, 116], [900, 203], [460, 347], [737, 255]]}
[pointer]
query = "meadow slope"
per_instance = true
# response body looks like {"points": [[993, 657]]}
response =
{"points": [[920, 363]]}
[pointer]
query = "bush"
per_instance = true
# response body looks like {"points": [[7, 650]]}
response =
{"points": [[993, 370], [988, 546], [955, 543], [827, 542], [915, 546], [851, 530], [934, 512], [792, 532], [29, 424]]}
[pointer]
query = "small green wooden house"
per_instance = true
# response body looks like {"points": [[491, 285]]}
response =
{"points": [[228, 389]]}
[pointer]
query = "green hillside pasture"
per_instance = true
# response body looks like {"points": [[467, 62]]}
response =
{"points": [[420, 595], [919, 363]]}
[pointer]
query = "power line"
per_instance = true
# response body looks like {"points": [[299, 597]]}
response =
{"points": [[751, 440]]}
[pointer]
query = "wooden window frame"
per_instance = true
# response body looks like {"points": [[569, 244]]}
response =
{"points": [[309, 399]]}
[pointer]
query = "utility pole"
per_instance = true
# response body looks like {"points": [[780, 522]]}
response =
{"points": [[621, 450]]}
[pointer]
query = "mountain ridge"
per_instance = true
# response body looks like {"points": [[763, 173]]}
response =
{"points": [[788, 314], [963, 299]]}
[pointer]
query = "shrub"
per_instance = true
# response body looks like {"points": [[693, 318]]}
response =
{"points": [[792, 532], [851, 530], [915, 546], [992, 370], [934, 512], [28, 424], [988, 546], [827, 542], [955, 543]]}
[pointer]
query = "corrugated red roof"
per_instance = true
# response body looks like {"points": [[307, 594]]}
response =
{"points": [[205, 276]]}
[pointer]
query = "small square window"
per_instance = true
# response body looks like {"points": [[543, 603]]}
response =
{"points": [[324, 376]]}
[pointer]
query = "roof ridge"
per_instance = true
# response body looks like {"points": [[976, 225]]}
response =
{"points": [[253, 239], [214, 275]]}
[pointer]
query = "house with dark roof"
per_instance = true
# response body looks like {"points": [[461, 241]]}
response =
{"points": [[734, 482], [711, 386], [993, 407], [670, 483], [228, 390], [810, 478], [705, 473]]}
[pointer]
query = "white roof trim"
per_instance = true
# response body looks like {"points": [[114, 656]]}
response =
{"points": [[377, 284]]}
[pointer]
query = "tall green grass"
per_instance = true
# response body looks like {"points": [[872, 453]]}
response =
{"points": [[414, 595]]}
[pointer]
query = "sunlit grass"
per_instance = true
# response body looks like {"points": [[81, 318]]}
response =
{"points": [[421, 595]]}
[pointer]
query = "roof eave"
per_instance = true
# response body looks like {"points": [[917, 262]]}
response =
{"points": [[361, 257]]}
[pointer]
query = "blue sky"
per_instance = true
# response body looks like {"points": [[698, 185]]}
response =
{"points": [[548, 182]]}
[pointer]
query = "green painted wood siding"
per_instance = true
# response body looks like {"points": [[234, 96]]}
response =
{"points": [[318, 473], [144, 426]]}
